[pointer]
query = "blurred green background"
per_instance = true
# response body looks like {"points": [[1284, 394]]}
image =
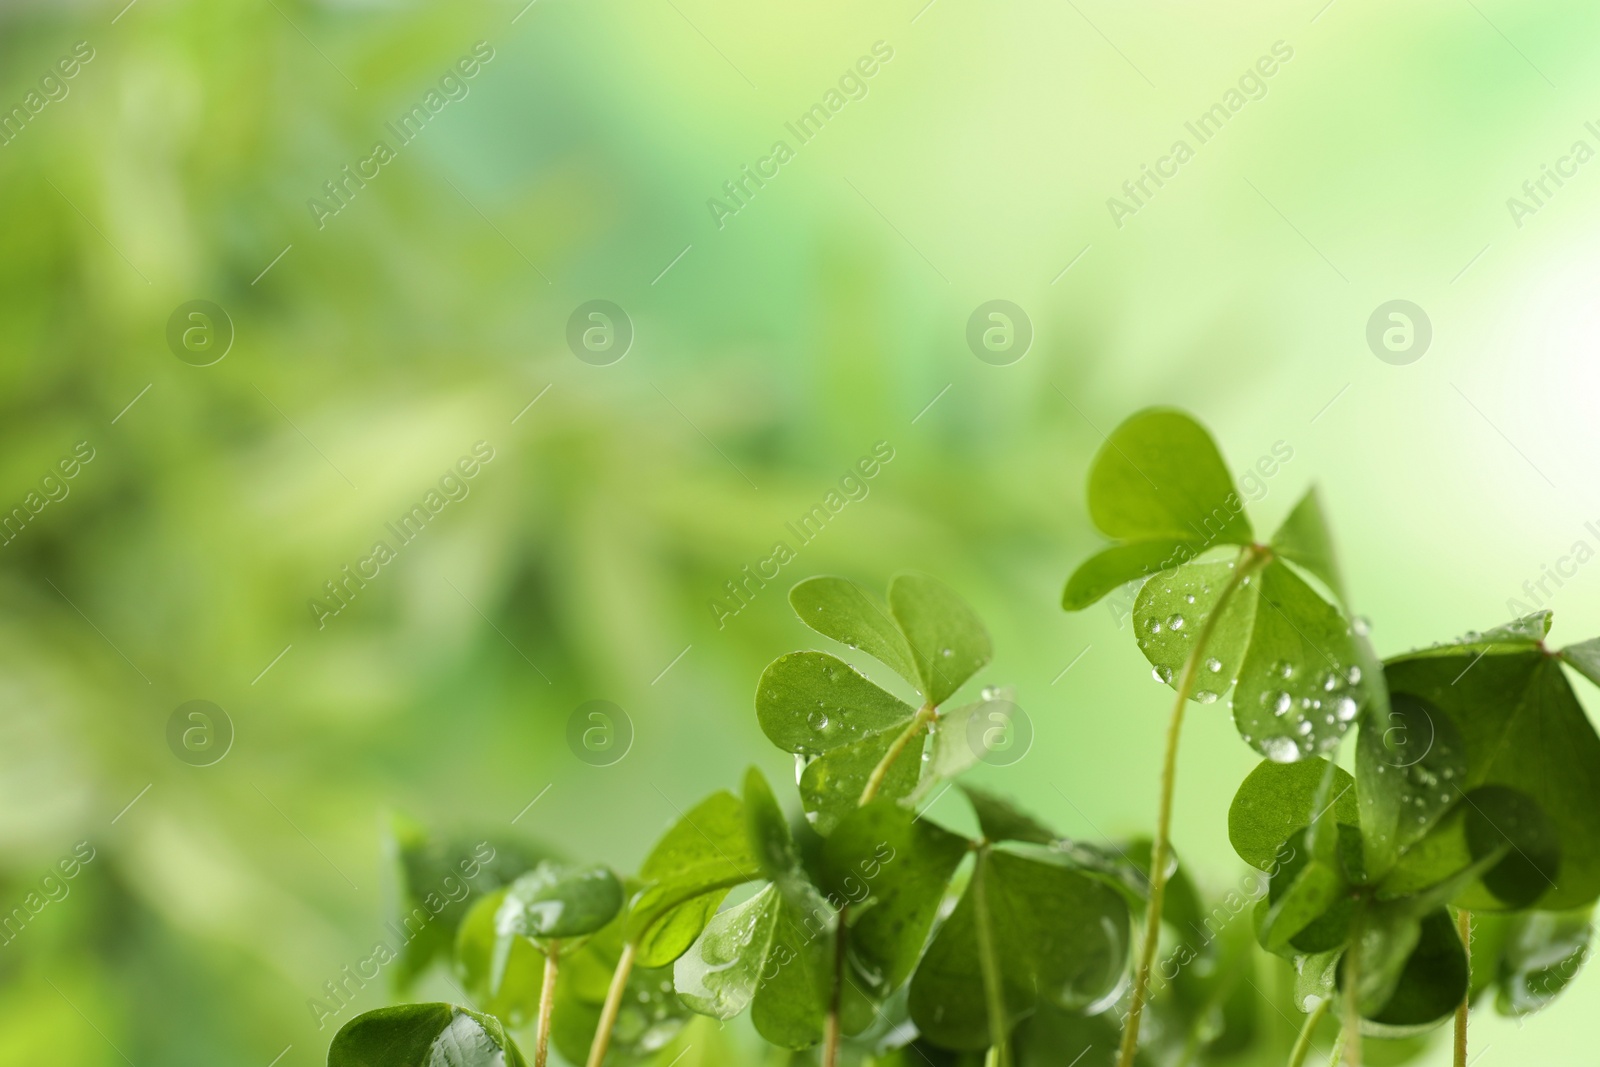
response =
{"points": [[770, 353]]}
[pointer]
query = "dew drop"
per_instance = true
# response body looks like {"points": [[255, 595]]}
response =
{"points": [[1354, 675], [1205, 696], [1280, 749], [947, 652], [1154, 626], [1345, 709], [1213, 665], [1162, 674], [1175, 622]]}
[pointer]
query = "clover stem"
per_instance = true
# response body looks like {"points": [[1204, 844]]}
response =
{"points": [[830, 1026], [547, 1003], [1302, 1044], [608, 1012], [1352, 999], [1251, 559], [923, 717], [1464, 928], [993, 994]]}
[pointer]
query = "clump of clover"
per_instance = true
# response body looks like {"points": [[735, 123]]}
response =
{"points": [[861, 931], [861, 928], [1474, 807]]}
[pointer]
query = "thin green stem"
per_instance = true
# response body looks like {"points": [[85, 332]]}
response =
{"points": [[547, 1003], [1250, 560], [926, 714], [1464, 928], [613, 1004], [830, 1026], [993, 994], [1352, 998], [1302, 1044]]}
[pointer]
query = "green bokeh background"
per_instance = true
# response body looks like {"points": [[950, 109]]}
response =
{"points": [[822, 318]]}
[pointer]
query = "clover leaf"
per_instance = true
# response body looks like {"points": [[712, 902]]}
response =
{"points": [[1027, 930], [554, 903], [1299, 687], [686, 876], [1277, 799], [1309, 907], [891, 868], [1001, 820], [1584, 657], [861, 741], [423, 1035], [1304, 539], [1416, 972], [1291, 657], [1159, 487], [771, 953], [1408, 763], [948, 642], [1521, 726], [841, 609], [1030, 928], [1528, 958]]}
